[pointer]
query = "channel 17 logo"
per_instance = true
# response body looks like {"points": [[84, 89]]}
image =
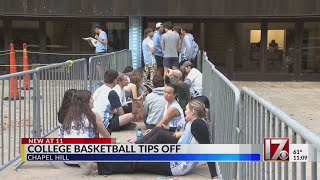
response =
{"points": [[276, 149]]}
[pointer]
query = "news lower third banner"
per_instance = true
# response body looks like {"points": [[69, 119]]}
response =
{"points": [[104, 149]]}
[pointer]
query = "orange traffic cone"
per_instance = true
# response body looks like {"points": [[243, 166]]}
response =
{"points": [[25, 66], [14, 93]]}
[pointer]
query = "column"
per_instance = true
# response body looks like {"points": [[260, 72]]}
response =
{"points": [[135, 39], [43, 41]]}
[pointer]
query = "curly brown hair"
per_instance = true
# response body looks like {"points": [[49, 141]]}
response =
{"points": [[78, 108]]}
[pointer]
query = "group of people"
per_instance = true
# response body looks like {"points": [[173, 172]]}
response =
{"points": [[167, 47], [174, 110]]}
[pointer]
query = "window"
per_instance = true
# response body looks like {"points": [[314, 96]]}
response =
{"points": [[247, 47], [311, 48], [280, 47]]}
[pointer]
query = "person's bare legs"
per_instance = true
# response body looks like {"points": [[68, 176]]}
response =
{"points": [[100, 72], [125, 119], [165, 72]]}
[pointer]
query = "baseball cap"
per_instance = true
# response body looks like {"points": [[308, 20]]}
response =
{"points": [[158, 25], [187, 63]]}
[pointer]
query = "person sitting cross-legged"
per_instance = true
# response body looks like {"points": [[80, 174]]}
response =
{"points": [[106, 101], [154, 103]]}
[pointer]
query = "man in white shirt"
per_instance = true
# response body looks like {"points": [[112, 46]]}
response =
{"points": [[106, 100], [193, 78]]}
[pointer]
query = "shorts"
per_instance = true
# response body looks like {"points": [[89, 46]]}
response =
{"points": [[114, 124], [171, 61], [159, 61]]}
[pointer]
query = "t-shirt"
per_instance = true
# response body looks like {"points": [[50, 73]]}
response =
{"points": [[105, 101], [157, 43], [175, 121], [195, 132], [148, 57], [76, 131], [121, 93], [102, 47], [171, 42], [194, 80]]}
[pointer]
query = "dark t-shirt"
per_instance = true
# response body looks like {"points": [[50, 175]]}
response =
{"points": [[114, 99]]}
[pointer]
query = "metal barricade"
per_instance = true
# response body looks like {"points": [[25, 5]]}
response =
{"points": [[259, 119], [16, 114], [99, 64], [32, 113], [53, 80], [224, 99]]}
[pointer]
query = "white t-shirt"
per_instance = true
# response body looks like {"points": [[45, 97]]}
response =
{"points": [[121, 93], [195, 78], [176, 121]]}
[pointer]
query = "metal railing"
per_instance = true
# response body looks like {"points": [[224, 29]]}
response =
{"points": [[35, 115], [16, 115], [259, 119], [224, 99], [242, 117], [99, 64], [33, 112]]}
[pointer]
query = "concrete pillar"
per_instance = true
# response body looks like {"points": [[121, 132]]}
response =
{"points": [[135, 39]]}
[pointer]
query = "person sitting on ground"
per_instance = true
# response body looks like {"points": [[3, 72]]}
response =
{"points": [[67, 97], [107, 100], [196, 132], [135, 88], [162, 136], [66, 101], [175, 77], [193, 78], [154, 103], [80, 121], [173, 114], [123, 80], [128, 70]]}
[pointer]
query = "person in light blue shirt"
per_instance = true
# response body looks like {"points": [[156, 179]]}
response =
{"points": [[102, 39], [158, 50], [148, 49]]}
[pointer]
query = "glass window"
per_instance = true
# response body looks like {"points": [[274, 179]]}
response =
{"points": [[247, 47], [311, 48], [280, 47], [25, 32], [59, 36], [215, 44]]}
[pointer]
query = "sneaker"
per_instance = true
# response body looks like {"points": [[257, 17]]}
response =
{"points": [[129, 126], [86, 167]]}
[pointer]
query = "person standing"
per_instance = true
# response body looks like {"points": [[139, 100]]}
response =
{"points": [[158, 50], [102, 39], [148, 50], [170, 46], [186, 49]]}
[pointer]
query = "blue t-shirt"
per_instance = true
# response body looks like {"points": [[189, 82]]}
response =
{"points": [[102, 47], [157, 43]]}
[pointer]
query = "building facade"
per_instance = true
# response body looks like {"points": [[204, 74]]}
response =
{"points": [[245, 39]]}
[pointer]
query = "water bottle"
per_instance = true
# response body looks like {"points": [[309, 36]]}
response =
{"points": [[139, 134]]}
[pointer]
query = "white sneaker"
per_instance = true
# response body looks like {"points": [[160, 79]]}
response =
{"points": [[86, 167]]}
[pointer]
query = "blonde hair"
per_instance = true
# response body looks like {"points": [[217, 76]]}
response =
{"points": [[199, 108], [122, 77]]}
